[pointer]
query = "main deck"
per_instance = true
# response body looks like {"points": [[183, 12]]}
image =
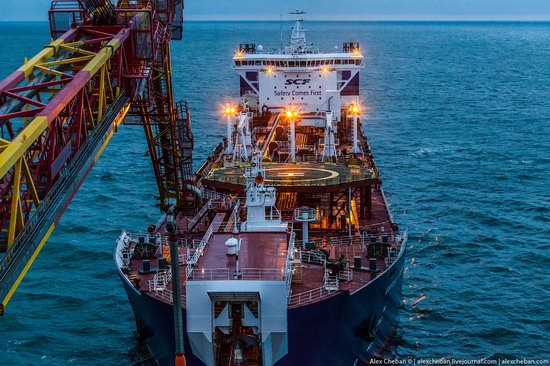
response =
{"points": [[264, 256]]}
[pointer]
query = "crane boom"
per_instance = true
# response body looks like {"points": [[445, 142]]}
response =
{"points": [[59, 110]]}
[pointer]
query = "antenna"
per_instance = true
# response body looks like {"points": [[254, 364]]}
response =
{"points": [[281, 32]]}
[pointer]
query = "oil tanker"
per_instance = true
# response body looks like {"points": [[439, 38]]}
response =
{"points": [[292, 256]]}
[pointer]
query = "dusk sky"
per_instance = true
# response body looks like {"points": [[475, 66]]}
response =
{"points": [[329, 9]]}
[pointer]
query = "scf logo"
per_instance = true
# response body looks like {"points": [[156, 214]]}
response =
{"points": [[297, 81]]}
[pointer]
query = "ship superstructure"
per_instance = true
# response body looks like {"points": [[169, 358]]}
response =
{"points": [[292, 257]]}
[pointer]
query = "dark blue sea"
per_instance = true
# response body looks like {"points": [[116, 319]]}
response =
{"points": [[458, 115]]}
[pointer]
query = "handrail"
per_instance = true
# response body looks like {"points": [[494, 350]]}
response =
{"points": [[289, 268], [165, 295], [199, 215], [263, 274], [204, 274], [161, 280], [209, 195], [123, 260], [309, 297], [305, 214], [362, 239], [229, 225], [312, 257], [194, 258], [246, 274]]}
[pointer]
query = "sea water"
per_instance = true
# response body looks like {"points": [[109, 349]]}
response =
{"points": [[458, 116]]}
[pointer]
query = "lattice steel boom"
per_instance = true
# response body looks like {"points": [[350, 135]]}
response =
{"points": [[59, 110]]}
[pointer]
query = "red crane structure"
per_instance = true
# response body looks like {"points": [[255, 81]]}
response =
{"points": [[106, 64]]}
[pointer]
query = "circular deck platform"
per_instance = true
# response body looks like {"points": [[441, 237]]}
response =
{"points": [[297, 175]]}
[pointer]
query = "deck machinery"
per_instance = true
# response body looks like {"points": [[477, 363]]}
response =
{"points": [[107, 63]]}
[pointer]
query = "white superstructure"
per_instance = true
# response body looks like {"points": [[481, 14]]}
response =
{"points": [[312, 81]]}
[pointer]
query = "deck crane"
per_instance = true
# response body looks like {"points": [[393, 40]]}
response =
{"points": [[106, 64]]}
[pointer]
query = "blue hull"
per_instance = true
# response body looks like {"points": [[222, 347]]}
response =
{"points": [[343, 330]]}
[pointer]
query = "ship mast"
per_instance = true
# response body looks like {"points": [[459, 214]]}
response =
{"points": [[298, 42]]}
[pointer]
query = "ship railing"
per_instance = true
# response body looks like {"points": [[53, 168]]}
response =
{"points": [[309, 297], [305, 214], [272, 213], [289, 264], [193, 259], [312, 257], [394, 251], [245, 274], [213, 195], [364, 240], [161, 280], [199, 215], [228, 226], [123, 251], [183, 257], [261, 130], [161, 294], [262, 274], [331, 282], [165, 295], [346, 274], [203, 274]]}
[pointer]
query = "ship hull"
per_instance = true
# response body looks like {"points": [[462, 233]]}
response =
{"points": [[346, 329]]}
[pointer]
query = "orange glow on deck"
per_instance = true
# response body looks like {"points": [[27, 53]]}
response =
{"points": [[354, 109], [229, 110]]}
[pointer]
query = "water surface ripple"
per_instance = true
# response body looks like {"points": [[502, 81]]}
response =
{"points": [[458, 115]]}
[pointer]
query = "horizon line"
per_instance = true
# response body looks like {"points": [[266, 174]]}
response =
{"points": [[403, 20]]}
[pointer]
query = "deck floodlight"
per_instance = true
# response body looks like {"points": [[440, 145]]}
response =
{"points": [[355, 109], [230, 112]]}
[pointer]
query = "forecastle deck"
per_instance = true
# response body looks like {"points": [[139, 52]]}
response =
{"points": [[263, 256]]}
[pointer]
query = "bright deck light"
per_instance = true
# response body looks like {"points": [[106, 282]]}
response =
{"points": [[355, 109], [291, 113], [229, 110]]}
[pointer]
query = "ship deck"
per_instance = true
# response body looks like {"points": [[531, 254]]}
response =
{"points": [[296, 177], [263, 257], [261, 253], [346, 192]]}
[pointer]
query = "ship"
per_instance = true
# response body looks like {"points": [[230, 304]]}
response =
{"points": [[291, 255]]}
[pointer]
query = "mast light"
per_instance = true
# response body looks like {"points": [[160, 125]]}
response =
{"points": [[355, 109], [229, 110]]}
